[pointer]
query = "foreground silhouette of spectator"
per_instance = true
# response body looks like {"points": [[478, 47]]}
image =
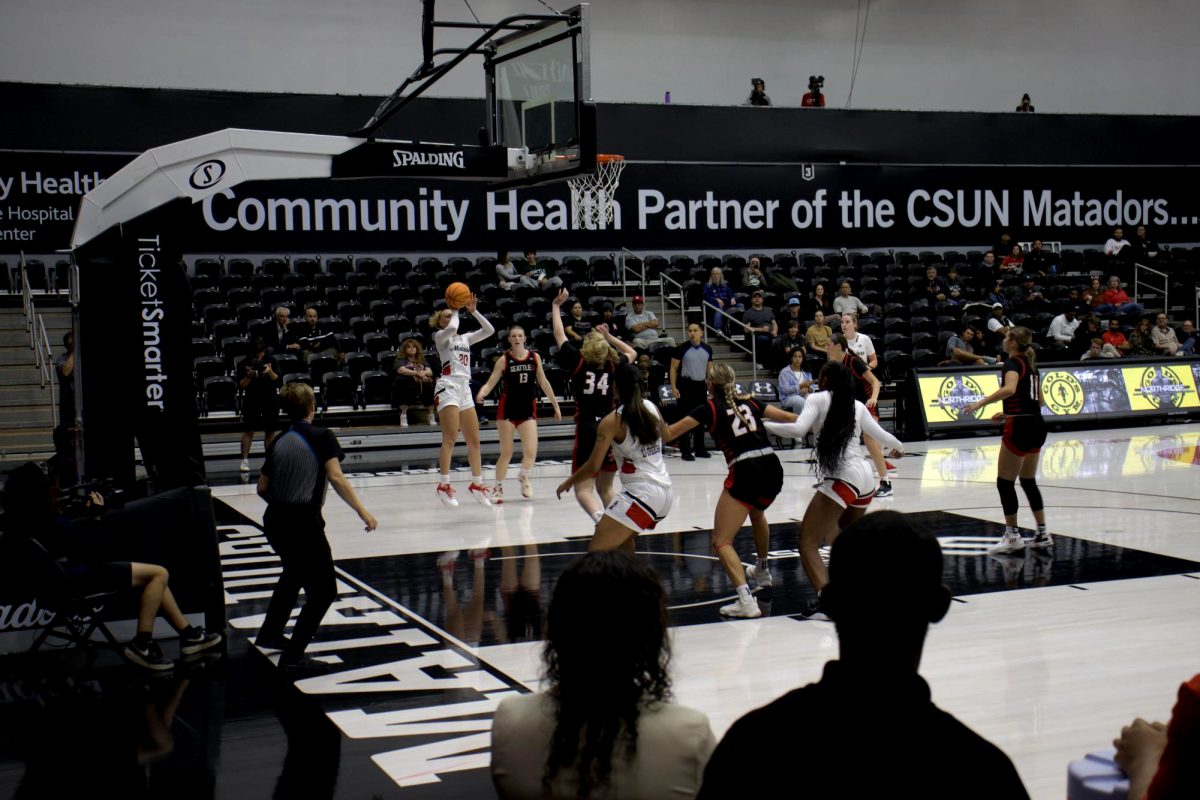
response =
{"points": [[868, 727], [603, 728], [1159, 759]]}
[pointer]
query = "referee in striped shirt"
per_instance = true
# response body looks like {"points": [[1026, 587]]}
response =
{"points": [[300, 462]]}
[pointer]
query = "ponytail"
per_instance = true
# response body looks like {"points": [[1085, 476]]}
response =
{"points": [[724, 378], [1024, 339], [642, 423], [838, 427]]}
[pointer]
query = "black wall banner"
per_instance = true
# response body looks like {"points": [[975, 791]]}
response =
{"points": [[661, 207]]}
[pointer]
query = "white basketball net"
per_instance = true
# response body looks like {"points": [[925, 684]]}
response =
{"points": [[592, 195]]}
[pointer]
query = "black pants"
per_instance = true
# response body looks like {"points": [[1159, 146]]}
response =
{"points": [[691, 394], [299, 540]]}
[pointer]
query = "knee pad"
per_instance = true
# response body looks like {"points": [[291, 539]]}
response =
{"points": [[1008, 495], [1033, 493]]}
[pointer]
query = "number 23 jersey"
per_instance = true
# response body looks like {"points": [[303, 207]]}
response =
{"points": [[731, 434]]}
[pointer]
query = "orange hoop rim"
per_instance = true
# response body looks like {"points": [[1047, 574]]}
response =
{"points": [[607, 158]]}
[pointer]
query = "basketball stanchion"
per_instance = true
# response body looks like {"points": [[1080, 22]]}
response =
{"points": [[592, 195]]}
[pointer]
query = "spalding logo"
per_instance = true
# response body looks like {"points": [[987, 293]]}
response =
{"points": [[207, 173]]}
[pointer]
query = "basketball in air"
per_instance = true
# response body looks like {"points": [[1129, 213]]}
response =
{"points": [[457, 295]]}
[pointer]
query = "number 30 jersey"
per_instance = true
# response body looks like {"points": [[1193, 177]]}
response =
{"points": [[731, 434], [592, 387]]}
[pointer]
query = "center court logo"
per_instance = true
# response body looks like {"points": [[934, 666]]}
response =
{"points": [[957, 391], [1063, 393], [206, 174]]}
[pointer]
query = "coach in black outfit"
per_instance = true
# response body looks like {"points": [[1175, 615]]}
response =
{"points": [[278, 334], [868, 724], [299, 462]]}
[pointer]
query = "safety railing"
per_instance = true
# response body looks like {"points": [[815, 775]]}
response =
{"points": [[39, 342], [668, 287], [626, 272], [747, 331], [1196, 317], [1151, 279]]}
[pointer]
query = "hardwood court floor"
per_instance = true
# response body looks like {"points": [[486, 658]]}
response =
{"points": [[438, 612]]}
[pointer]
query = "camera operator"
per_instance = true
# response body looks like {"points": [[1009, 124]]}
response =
{"points": [[814, 98], [30, 513], [758, 93]]}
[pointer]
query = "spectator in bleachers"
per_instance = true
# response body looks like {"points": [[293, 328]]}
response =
{"points": [[1089, 328], [690, 368], [1025, 296], [789, 341], [64, 370], [1062, 329], [778, 279], [996, 295], [1038, 260], [1099, 349], [1163, 336], [758, 93], [792, 312], [1013, 261], [1116, 337], [720, 294], [1141, 248], [604, 726], [506, 273], [859, 343], [999, 325], [1075, 300], [1026, 107], [819, 300], [574, 320], [1141, 343], [312, 339], [647, 379], [795, 382], [414, 380], [279, 337], [536, 276], [260, 401], [846, 303], [1116, 245], [1115, 300], [885, 590], [616, 325], [1187, 338], [754, 277], [1003, 245], [989, 262], [960, 349], [936, 288], [762, 324], [817, 336], [643, 326]]}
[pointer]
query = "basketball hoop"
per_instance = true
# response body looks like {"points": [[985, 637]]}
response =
{"points": [[592, 195]]}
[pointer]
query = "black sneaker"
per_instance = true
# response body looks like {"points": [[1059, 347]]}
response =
{"points": [[1042, 541], [198, 640], [688, 457], [149, 657], [884, 490], [271, 642], [705, 454], [816, 611]]}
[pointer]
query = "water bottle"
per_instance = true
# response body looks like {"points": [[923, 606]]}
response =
{"points": [[667, 97]]}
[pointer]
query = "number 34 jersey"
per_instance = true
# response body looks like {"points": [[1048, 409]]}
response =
{"points": [[592, 387], [733, 435]]}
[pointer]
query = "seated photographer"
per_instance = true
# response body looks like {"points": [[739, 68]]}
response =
{"points": [[30, 512]]}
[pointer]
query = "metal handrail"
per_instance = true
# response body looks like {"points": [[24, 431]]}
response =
{"points": [[663, 280], [39, 341], [752, 350], [623, 270], [1138, 282]]}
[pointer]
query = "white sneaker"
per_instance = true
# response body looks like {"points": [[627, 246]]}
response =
{"points": [[744, 608], [244, 466], [480, 493], [498, 494], [404, 420], [762, 579], [526, 486], [445, 493], [1009, 543]]}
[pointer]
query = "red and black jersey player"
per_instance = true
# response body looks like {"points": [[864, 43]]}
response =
{"points": [[1021, 443], [592, 367], [754, 481]]}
